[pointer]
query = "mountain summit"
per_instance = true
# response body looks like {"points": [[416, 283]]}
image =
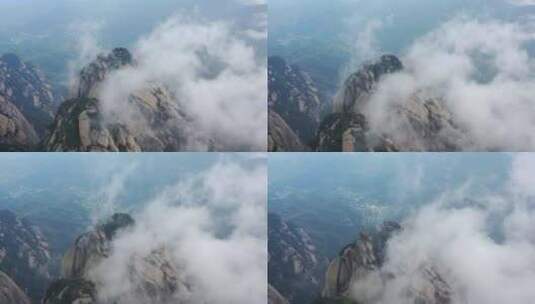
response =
{"points": [[152, 278], [146, 119], [420, 123]]}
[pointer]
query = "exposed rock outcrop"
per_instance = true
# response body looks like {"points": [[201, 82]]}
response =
{"points": [[71, 291], [149, 119], [274, 297], [152, 278], [24, 254], [294, 96], [294, 267], [92, 247], [281, 138], [362, 260], [16, 133], [359, 86], [420, 123], [24, 86], [10, 293]]}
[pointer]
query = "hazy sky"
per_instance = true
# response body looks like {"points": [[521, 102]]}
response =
{"points": [[46, 32], [321, 36]]}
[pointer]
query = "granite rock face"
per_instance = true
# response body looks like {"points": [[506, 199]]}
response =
{"points": [[281, 138], [359, 261], [70, 291], [359, 86], [295, 98], [26, 87], [420, 123], [10, 293], [274, 297], [16, 133], [152, 278], [24, 254], [148, 119]]}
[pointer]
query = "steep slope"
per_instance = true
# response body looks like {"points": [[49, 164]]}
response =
{"points": [[152, 278], [10, 293], [24, 254], [70, 291], [26, 87], [16, 133], [293, 95], [360, 264], [149, 119], [294, 266], [274, 297], [281, 138], [422, 123]]}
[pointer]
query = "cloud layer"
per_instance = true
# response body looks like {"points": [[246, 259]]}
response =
{"points": [[214, 225], [484, 250], [214, 72], [481, 71]]}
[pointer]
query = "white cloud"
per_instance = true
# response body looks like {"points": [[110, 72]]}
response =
{"points": [[213, 70], [481, 265], [484, 74], [214, 225]]}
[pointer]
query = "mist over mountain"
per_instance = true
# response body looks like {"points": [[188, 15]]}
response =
{"points": [[396, 228], [172, 92], [135, 229], [450, 91]]}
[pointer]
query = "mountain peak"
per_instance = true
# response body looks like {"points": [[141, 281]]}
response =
{"points": [[117, 222], [123, 54], [360, 85], [95, 72]]}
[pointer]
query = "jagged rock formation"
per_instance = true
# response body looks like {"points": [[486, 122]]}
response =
{"points": [[92, 75], [361, 85], [281, 138], [149, 119], [294, 267], [29, 91], [92, 247], [349, 132], [152, 278], [70, 291], [10, 293], [420, 123], [359, 261], [16, 133], [274, 297], [293, 96], [24, 254]]}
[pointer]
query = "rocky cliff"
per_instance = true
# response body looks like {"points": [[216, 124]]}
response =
{"points": [[26, 87], [16, 133], [149, 119], [360, 263], [294, 267], [274, 297], [24, 254], [420, 123], [151, 279], [281, 138], [10, 293], [294, 96]]}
